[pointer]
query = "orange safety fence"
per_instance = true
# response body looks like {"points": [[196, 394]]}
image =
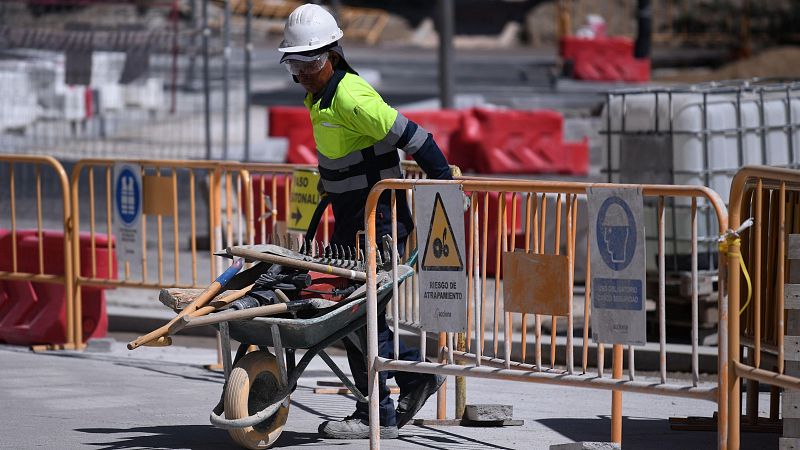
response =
{"points": [[498, 344], [34, 207], [763, 312]]}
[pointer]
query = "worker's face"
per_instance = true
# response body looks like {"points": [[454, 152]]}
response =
{"points": [[312, 75]]}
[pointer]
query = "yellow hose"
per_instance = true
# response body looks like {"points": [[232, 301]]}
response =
{"points": [[723, 249]]}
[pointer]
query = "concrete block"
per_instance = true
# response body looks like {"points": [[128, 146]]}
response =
{"points": [[789, 443], [791, 296], [792, 322], [793, 247], [488, 413], [791, 348], [792, 368], [587, 446], [790, 405], [791, 428], [99, 345]]}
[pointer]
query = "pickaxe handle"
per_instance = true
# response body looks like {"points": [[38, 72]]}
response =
{"points": [[199, 302], [243, 314]]}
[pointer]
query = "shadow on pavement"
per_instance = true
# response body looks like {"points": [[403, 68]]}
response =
{"points": [[198, 437], [640, 433], [436, 438]]}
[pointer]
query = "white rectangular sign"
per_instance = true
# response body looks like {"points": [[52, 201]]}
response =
{"points": [[616, 224], [128, 213], [439, 214]]}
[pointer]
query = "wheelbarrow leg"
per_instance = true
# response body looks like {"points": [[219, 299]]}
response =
{"points": [[279, 355], [346, 381], [225, 343]]}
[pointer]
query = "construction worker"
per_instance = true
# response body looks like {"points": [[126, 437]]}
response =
{"points": [[357, 136]]}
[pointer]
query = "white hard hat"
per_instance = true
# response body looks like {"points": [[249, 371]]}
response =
{"points": [[309, 27]]}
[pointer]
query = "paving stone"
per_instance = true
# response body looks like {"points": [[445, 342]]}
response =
{"points": [[587, 446], [482, 413]]}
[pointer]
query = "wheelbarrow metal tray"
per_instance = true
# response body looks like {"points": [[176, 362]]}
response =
{"points": [[306, 333]]}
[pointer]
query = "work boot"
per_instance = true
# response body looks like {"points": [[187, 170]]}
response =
{"points": [[353, 428], [411, 402]]}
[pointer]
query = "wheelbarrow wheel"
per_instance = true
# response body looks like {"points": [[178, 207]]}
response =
{"points": [[253, 385]]}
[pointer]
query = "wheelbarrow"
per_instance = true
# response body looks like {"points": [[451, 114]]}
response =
{"points": [[254, 405]]}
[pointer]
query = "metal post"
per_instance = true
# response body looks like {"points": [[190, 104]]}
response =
{"points": [[734, 392], [563, 19], [446, 79], [226, 56], [206, 81], [461, 382], [644, 22], [616, 397], [441, 395], [190, 79], [248, 54], [372, 331]]}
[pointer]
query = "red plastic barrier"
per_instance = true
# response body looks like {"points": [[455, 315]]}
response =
{"points": [[294, 123], [442, 124], [604, 59], [35, 312], [278, 203], [479, 140], [525, 142]]}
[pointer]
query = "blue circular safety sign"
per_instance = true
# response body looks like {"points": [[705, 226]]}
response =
{"points": [[128, 196], [616, 233]]}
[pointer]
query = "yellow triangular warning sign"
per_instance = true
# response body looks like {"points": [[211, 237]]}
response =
{"points": [[441, 250]]}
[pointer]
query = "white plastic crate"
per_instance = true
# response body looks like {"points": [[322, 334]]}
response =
{"points": [[18, 104], [74, 103], [111, 97], [148, 95]]}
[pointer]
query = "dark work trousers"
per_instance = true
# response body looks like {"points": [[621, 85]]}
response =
{"points": [[407, 381]]}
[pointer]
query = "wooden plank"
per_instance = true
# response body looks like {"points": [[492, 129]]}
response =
{"points": [[345, 391]]}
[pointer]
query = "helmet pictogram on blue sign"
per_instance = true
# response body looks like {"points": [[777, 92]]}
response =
{"points": [[616, 233], [128, 197]]}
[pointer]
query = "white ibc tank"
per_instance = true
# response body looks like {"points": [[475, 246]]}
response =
{"points": [[707, 132], [698, 135]]}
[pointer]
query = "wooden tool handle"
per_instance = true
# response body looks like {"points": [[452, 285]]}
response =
{"points": [[198, 303], [216, 304], [249, 313]]}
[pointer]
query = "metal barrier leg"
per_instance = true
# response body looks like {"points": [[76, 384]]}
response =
{"points": [[616, 398], [734, 393], [441, 395], [225, 344]]}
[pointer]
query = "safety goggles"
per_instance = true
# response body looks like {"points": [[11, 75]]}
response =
{"points": [[311, 66]]}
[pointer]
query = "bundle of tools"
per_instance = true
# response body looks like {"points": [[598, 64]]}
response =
{"points": [[281, 282]]}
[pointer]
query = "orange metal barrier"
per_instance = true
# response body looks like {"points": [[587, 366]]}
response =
{"points": [[50, 171], [771, 196], [492, 351]]}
